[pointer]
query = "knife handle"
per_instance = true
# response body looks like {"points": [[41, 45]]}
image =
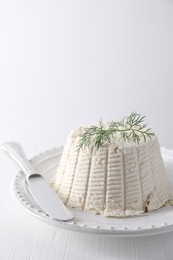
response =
{"points": [[15, 151]]}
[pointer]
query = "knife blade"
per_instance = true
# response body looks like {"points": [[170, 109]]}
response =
{"points": [[38, 187]]}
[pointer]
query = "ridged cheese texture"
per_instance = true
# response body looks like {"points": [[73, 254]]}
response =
{"points": [[118, 180]]}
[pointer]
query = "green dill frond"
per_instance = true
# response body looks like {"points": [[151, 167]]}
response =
{"points": [[131, 128]]}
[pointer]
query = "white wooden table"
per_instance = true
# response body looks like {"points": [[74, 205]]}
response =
{"points": [[23, 237]]}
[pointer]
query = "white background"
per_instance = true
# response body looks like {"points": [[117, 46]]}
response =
{"points": [[68, 63]]}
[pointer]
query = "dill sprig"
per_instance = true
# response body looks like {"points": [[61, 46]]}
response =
{"points": [[131, 128]]}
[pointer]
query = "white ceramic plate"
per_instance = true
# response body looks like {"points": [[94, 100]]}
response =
{"points": [[159, 221]]}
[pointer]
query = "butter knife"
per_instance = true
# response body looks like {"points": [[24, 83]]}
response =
{"points": [[40, 190]]}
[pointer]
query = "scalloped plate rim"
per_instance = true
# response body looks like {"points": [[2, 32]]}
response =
{"points": [[80, 227]]}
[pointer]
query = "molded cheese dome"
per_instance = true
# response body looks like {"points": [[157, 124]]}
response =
{"points": [[119, 179]]}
